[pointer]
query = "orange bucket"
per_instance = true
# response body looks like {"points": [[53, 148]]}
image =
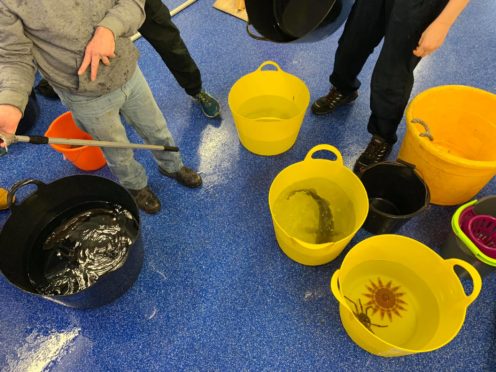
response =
{"points": [[87, 158]]}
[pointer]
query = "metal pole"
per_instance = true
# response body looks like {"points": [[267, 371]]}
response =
{"points": [[42, 140], [117, 145], [173, 12]]}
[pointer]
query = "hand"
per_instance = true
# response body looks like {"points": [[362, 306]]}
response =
{"points": [[432, 38], [9, 120], [101, 47]]}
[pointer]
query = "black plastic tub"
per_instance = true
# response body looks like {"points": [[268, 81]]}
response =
{"points": [[46, 207], [456, 243], [396, 194], [455, 248], [301, 21]]}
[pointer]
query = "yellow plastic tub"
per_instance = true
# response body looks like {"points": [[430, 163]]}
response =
{"points": [[3, 199], [398, 297], [455, 151], [268, 107], [340, 180]]}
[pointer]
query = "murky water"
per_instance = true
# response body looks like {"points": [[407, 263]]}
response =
{"points": [[79, 250], [316, 211]]}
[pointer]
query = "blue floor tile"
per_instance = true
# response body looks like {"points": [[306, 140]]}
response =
{"points": [[216, 292]]}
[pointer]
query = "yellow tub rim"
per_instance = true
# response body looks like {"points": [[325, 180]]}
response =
{"points": [[424, 143]]}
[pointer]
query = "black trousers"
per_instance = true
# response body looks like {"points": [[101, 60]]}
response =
{"points": [[400, 23], [165, 38], [31, 115]]}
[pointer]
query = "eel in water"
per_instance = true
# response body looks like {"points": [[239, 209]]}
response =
{"points": [[325, 230]]}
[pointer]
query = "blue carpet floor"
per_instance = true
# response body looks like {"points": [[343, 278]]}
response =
{"points": [[216, 292]]}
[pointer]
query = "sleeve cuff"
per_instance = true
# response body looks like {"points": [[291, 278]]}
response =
{"points": [[114, 24], [9, 97]]}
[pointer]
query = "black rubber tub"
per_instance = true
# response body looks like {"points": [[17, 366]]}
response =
{"points": [[396, 194], [43, 210], [302, 21]]}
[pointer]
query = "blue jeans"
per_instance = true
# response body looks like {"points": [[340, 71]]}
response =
{"points": [[99, 116]]}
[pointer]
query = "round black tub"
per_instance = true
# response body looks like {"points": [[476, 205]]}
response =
{"points": [[301, 21], [49, 206]]}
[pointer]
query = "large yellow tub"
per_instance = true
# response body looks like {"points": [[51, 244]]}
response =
{"points": [[451, 139]]}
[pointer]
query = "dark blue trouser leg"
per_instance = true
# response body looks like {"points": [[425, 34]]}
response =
{"points": [[31, 114], [400, 23], [163, 35]]}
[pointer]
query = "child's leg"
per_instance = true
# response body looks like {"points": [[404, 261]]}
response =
{"points": [[99, 116], [143, 113], [363, 31], [392, 79]]}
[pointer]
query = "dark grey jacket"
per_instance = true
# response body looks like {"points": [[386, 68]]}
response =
{"points": [[51, 35]]}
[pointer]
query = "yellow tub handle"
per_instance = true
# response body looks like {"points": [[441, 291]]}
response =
{"points": [[270, 63], [337, 292], [474, 274], [326, 147]]}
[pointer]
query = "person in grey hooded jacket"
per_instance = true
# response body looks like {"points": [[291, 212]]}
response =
{"points": [[82, 48]]}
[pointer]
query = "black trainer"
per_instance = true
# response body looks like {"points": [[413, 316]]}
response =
{"points": [[185, 176], [327, 104], [146, 200], [377, 150], [45, 89]]}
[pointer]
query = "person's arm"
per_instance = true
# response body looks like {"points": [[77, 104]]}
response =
{"points": [[16, 71], [433, 37], [10, 116], [123, 20]]}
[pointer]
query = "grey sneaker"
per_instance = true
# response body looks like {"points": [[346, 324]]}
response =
{"points": [[209, 105]]}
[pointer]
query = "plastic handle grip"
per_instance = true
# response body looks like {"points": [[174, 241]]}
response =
{"points": [[474, 274], [17, 186], [325, 147], [336, 291], [270, 63]]}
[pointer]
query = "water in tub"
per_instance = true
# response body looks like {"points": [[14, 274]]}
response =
{"points": [[315, 211], [75, 253]]}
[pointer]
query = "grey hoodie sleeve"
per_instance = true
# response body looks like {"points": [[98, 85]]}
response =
{"points": [[16, 61], [125, 17]]}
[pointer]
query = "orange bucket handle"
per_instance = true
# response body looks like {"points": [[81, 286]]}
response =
{"points": [[474, 274]]}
